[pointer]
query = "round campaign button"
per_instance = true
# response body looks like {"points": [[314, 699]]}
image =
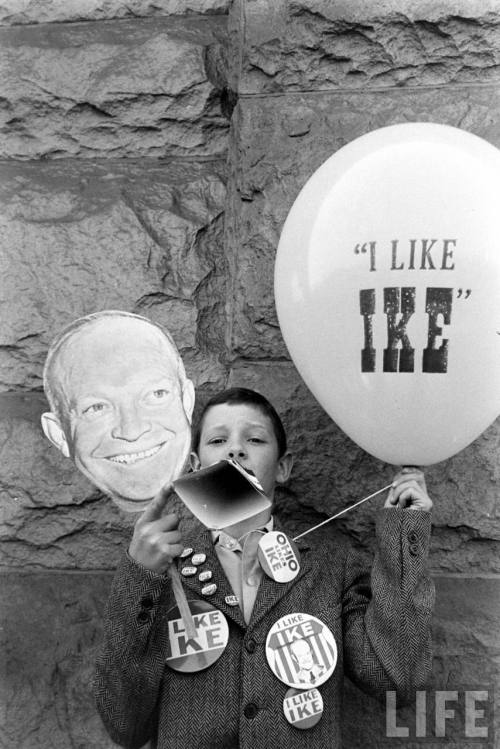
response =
{"points": [[186, 552], [301, 651], [195, 654], [189, 571], [303, 708], [278, 557]]}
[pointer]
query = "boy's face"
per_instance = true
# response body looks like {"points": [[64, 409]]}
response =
{"points": [[244, 433]]}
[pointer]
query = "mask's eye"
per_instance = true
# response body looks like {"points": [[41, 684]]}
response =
{"points": [[156, 397], [95, 409], [160, 394]]}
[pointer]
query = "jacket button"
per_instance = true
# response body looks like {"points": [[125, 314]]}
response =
{"points": [[142, 616], [147, 602], [412, 537], [250, 645], [250, 710], [414, 549]]}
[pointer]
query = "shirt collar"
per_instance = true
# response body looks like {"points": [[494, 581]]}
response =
{"points": [[223, 539]]}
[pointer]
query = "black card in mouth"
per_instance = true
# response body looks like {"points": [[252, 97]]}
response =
{"points": [[222, 495]]}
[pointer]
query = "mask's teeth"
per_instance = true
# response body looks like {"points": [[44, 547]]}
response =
{"points": [[125, 458]]}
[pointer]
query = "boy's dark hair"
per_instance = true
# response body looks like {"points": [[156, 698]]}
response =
{"points": [[243, 396]]}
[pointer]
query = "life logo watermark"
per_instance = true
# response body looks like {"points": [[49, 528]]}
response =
{"points": [[459, 718]]}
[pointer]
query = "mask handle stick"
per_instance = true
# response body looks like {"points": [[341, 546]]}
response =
{"points": [[181, 601], [342, 512]]}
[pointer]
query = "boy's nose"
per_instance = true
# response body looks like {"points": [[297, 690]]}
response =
{"points": [[236, 450], [131, 424]]}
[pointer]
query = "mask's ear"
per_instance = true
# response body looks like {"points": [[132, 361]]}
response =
{"points": [[188, 398], [54, 432]]}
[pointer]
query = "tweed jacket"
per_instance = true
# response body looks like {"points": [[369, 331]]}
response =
{"points": [[382, 630]]}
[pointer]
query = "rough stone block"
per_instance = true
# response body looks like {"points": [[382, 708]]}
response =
{"points": [[119, 89], [80, 236], [312, 45], [50, 632], [13, 12]]}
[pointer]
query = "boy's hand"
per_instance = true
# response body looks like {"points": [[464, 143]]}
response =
{"points": [[409, 491], [156, 540]]}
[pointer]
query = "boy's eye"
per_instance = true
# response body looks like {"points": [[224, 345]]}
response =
{"points": [[216, 441], [259, 440]]}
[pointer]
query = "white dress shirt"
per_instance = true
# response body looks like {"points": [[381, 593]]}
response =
{"points": [[238, 557]]}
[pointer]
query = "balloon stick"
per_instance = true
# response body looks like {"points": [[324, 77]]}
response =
{"points": [[342, 512], [181, 601]]}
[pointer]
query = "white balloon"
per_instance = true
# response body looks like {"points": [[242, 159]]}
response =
{"points": [[393, 245]]}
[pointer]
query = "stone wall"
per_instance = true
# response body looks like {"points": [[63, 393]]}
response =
{"points": [[150, 153]]}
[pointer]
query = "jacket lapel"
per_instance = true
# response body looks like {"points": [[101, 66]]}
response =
{"points": [[202, 543], [268, 595]]}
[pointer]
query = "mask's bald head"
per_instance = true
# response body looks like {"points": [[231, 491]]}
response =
{"points": [[54, 369]]}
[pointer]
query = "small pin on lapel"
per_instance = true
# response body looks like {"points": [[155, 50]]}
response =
{"points": [[205, 576], [198, 559], [209, 590]]}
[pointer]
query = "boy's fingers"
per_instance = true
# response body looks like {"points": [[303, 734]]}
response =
{"points": [[391, 499], [155, 508], [176, 550], [167, 523]]}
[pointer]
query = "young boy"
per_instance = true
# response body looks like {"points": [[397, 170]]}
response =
{"points": [[382, 630]]}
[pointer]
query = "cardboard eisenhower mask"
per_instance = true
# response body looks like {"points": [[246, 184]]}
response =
{"points": [[121, 405]]}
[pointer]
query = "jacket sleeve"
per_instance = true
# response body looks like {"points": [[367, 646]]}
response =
{"points": [[387, 625], [131, 661]]}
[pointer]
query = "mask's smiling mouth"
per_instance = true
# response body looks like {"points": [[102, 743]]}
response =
{"points": [[130, 458]]}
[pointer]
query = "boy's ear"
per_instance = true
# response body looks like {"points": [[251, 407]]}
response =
{"points": [[55, 433], [188, 396], [285, 465], [194, 462]]}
